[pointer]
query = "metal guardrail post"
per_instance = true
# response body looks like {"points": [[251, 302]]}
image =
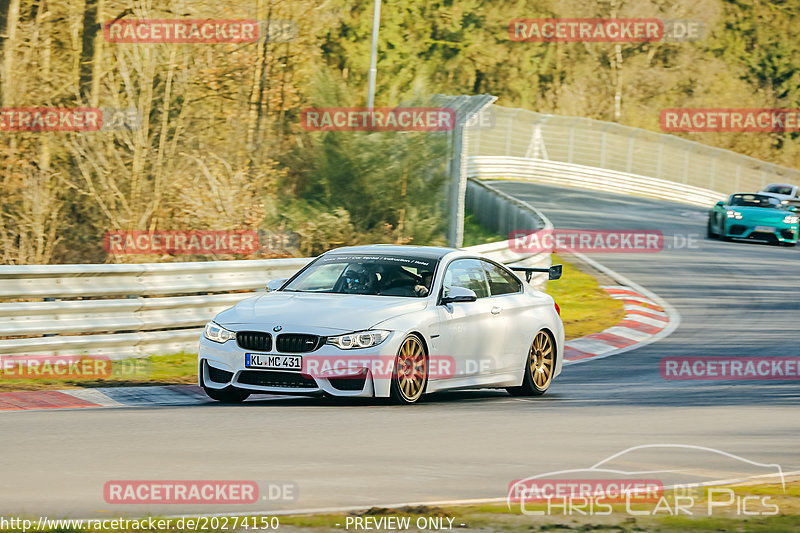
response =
{"points": [[455, 237], [632, 138], [712, 172], [686, 155], [509, 130], [603, 149], [458, 175], [738, 176], [571, 140]]}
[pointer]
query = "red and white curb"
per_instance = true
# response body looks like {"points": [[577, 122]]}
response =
{"points": [[103, 397], [146, 396], [643, 319], [647, 319]]}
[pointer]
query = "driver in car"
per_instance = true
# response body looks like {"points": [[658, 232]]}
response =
{"points": [[359, 280]]}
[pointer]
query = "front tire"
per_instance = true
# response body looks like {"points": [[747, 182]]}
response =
{"points": [[539, 367], [710, 234], [410, 374], [227, 395], [723, 236]]}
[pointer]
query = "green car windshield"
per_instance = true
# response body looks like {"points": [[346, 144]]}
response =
{"points": [[754, 200], [780, 189]]}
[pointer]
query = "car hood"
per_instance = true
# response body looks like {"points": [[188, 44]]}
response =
{"points": [[317, 313], [760, 214]]}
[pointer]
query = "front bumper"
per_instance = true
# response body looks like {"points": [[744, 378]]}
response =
{"points": [[781, 232], [346, 373]]}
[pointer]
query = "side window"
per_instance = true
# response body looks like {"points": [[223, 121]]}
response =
{"points": [[467, 273], [500, 281]]}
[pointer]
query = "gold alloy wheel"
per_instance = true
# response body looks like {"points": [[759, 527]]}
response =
{"points": [[411, 369], [541, 360]]}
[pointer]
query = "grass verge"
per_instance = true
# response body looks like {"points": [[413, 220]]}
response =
{"points": [[173, 369], [585, 307], [772, 509]]}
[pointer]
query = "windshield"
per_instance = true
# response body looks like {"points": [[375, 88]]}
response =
{"points": [[367, 274], [779, 189], [754, 200]]}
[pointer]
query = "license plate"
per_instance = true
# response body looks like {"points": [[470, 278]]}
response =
{"points": [[765, 229], [273, 362]]}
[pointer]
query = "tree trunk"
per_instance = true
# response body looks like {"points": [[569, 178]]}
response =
{"points": [[9, 46], [255, 89], [616, 67], [90, 30]]}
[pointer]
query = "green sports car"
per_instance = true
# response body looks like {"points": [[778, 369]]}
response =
{"points": [[755, 217]]}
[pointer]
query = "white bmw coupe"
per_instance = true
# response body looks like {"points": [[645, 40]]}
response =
{"points": [[387, 321]]}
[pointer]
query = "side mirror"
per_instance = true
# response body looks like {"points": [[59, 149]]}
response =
{"points": [[459, 294], [553, 272], [793, 209], [275, 284], [720, 204]]}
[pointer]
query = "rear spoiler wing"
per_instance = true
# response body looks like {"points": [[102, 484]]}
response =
{"points": [[553, 272]]}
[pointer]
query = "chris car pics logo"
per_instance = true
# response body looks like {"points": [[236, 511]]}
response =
{"points": [[681, 479]]}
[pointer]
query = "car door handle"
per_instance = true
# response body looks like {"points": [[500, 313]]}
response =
{"points": [[496, 310]]}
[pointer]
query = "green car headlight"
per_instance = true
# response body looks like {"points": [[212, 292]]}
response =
{"points": [[791, 219], [734, 214]]}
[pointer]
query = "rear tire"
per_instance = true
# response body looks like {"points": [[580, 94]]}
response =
{"points": [[227, 395], [539, 367]]}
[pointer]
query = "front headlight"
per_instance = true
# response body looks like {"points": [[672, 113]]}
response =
{"points": [[359, 339], [734, 214], [791, 219], [215, 332]]}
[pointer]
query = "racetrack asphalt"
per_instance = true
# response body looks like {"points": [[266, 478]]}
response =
{"points": [[733, 298]]}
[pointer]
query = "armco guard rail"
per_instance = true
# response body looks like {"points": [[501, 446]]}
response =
{"points": [[521, 133], [154, 307], [571, 175], [162, 310]]}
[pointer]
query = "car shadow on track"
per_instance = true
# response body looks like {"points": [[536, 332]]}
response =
{"points": [[448, 397]]}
